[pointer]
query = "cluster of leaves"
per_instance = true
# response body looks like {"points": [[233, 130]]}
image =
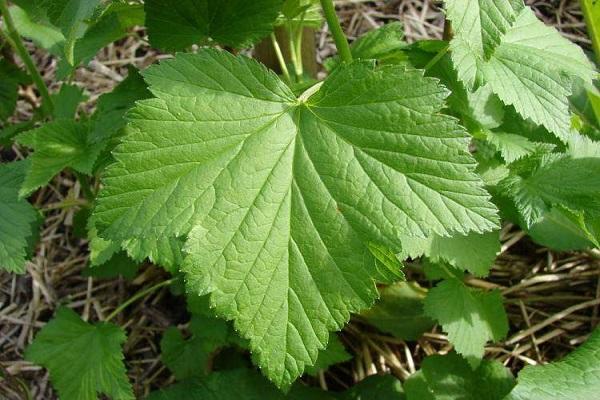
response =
{"points": [[287, 210]]}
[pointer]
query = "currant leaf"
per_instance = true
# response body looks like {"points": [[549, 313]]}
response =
{"points": [[471, 318], [264, 187], [527, 64], [84, 360]]}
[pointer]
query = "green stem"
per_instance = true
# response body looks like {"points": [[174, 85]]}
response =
{"points": [[591, 21], [138, 296], [19, 47], [293, 54], [86, 185], [280, 59], [436, 58], [298, 49], [336, 30]]}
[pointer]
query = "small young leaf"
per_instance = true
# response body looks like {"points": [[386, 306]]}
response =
{"points": [[57, 145], [71, 17], [576, 377], [112, 25], [573, 183], [19, 218], [225, 143], [178, 24], [470, 317], [84, 360], [514, 147], [474, 252], [66, 101], [384, 44], [450, 377], [399, 311]]}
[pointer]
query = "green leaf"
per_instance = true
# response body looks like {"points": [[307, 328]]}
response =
{"points": [[226, 385], [386, 387], [101, 250], [527, 64], [43, 34], [178, 24], [57, 145], [18, 218], [189, 358], [576, 377], [84, 360], [117, 265], [478, 28], [399, 311], [108, 120], [10, 79], [573, 183], [474, 252], [66, 101], [514, 147], [565, 230], [389, 267], [384, 44], [71, 17], [335, 353], [470, 317], [279, 196], [112, 25], [450, 377]]}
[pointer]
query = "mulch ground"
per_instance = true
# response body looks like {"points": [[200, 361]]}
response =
{"points": [[552, 299]]}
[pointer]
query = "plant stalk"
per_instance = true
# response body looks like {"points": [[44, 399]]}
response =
{"points": [[280, 59], [336, 30], [592, 22], [19, 47], [138, 296]]}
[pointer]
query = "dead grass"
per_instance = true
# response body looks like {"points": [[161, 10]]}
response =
{"points": [[553, 299]]}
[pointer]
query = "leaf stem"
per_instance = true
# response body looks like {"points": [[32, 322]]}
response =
{"points": [[280, 59], [336, 30], [17, 43], [138, 296]]}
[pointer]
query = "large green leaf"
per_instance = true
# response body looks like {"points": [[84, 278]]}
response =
{"points": [[576, 377], [17, 218], [84, 360], [281, 195], [178, 24], [527, 64], [470, 317]]}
